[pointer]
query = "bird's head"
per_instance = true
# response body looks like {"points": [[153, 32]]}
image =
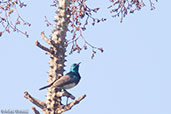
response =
{"points": [[75, 67]]}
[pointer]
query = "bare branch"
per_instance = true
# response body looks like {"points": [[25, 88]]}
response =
{"points": [[70, 105], [10, 19], [37, 102], [47, 40], [43, 47], [65, 93], [120, 8], [82, 14], [35, 110], [75, 102]]}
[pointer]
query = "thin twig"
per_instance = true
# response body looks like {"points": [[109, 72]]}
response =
{"points": [[43, 47], [35, 110], [47, 40]]}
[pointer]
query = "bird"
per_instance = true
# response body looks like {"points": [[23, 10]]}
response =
{"points": [[70, 80]]}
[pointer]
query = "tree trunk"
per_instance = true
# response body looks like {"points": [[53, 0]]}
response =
{"points": [[57, 50], [57, 59]]}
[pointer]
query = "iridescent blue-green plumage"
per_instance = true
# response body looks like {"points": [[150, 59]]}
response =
{"points": [[67, 81]]}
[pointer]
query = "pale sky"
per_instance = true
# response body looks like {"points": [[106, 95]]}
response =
{"points": [[132, 76]]}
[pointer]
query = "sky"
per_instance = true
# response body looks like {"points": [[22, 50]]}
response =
{"points": [[132, 76]]}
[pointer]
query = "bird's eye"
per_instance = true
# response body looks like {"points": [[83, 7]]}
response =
{"points": [[74, 65]]}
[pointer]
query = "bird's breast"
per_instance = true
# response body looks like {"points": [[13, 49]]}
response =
{"points": [[68, 86]]}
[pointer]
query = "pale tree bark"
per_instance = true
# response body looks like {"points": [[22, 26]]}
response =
{"points": [[57, 50]]}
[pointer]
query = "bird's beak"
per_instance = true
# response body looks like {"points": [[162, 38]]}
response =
{"points": [[79, 63]]}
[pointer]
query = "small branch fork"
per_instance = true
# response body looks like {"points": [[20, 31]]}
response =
{"points": [[47, 40], [76, 47], [43, 47], [70, 105], [43, 105], [120, 8], [37, 102], [7, 21], [80, 18]]}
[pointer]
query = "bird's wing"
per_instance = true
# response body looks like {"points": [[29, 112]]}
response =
{"points": [[64, 80]]}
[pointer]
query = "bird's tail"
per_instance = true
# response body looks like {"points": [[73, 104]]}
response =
{"points": [[47, 85]]}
